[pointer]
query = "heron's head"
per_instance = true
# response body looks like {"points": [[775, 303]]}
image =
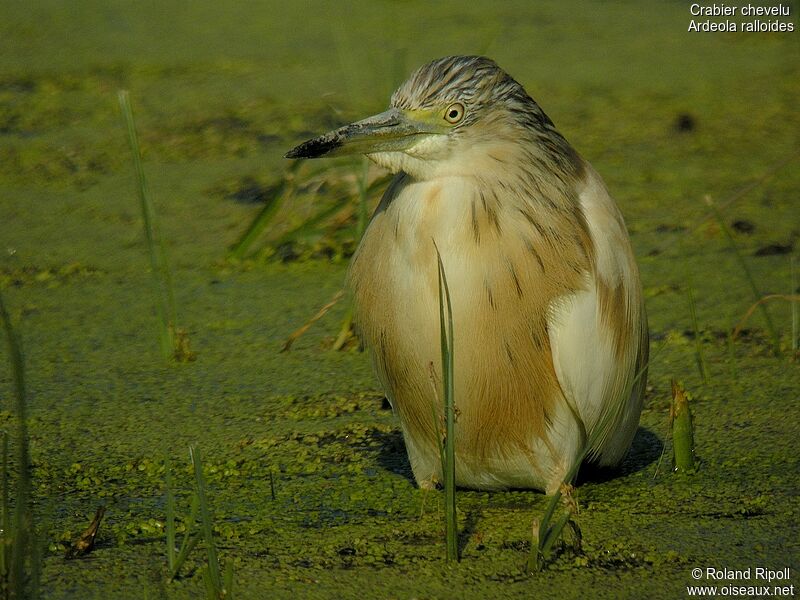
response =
{"points": [[448, 117]]}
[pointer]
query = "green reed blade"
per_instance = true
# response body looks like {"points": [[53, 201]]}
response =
{"points": [[5, 519], [698, 343], [205, 519], [170, 515], [162, 277], [23, 550], [448, 380], [795, 311]]}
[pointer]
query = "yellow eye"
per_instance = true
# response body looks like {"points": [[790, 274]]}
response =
{"points": [[454, 113]]}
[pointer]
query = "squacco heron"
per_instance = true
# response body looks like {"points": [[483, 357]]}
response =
{"points": [[550, 330]]}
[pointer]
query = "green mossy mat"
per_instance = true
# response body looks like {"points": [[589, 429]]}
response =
{"points": [[308, 482]]}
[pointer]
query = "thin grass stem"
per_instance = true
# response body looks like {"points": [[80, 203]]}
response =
{"points": [[795, 311], [740, 325], [448, 380], [437, 430], [162, 277], [170, 510], [21, 530], [698, 343], [205, 520], [227, 579], [5, 518], [287, 345], [776, 342], [265, 216], [208, 581]]}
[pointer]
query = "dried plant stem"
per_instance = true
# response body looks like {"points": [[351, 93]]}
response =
{"points": [[321, 313], [790, 298]]}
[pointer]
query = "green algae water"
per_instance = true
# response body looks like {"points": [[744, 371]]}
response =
{"points": [[307, 482]]}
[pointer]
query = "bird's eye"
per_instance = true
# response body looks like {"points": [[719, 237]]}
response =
{"points": [[454, 113]]}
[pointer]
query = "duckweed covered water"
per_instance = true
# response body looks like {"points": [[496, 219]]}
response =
{"points": [[310, 490]]}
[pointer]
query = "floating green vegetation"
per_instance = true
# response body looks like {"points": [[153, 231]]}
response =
{"points": [[48, 276]]}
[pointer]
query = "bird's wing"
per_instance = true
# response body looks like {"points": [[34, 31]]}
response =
{"points": [[599, 334]]}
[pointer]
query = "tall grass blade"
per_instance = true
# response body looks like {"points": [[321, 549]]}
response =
{"points": [[437, 430], [162, 277], [698, 343], [448, 380], [5, 518], [205, 520], [170, 510], [795, 311], [211, 589], [190, 539], [264, 218], [21, 530], [190, 542], [227, 579], [776, 342]]}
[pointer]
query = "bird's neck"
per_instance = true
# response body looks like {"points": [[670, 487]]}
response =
{"points": [[499, 158]]}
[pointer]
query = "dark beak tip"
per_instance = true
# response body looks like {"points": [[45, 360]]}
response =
{"points": [[299, 151], [314, 148]]}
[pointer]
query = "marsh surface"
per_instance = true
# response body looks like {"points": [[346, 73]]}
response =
{"points": [[220, 92]]}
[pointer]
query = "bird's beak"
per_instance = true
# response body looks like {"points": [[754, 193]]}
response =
{"points": [[390, 131]]}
